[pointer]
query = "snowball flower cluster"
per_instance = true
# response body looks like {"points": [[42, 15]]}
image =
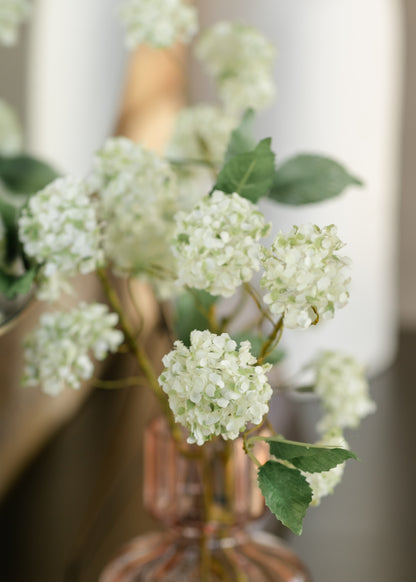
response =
{"points": [[240, 60], [12, 13], [304, 277], [213, 389], [158, 23], [323, 483], [10, 131], [59, 229], [137, 201], [201, 132], [57, 353], [216, 243], [343, 388]]}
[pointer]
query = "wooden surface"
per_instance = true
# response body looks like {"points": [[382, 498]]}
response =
{"points": [[81, 498]]}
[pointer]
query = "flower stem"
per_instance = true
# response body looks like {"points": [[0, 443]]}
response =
{"points": [[254, 295], [135, 347], [272, 342]]}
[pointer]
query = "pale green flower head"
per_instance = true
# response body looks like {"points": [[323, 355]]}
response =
{"points": [[215, 244], [240, 59], [201, 132], [159, 23], [213, 388], [304, 278], [10, 130], [341, 384], [324, 483], [12, 14], [58, 353], [58, 228], [137, 200]]}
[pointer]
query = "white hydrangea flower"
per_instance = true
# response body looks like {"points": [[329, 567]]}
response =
{"points": [[303, 275], [159, 23], [216, 243], [214, 389], [201, 132], [57, 353], [137, 201], [341, 383], [51, 288], [253, 89], [59, 229], [323, 483], [10, 130], [12, 14], [240, 59]]}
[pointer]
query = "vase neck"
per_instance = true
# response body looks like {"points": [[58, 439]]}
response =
{"points": [[204, 490]]}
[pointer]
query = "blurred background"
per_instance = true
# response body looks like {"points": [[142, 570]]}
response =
{"points": [[346, 80]]}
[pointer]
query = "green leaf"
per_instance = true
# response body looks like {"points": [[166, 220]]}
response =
{"points": [[25, 175], [11, 285], [249, 174], [308, 178], [242, 138], [191, 312], [257, 341], [309, 458], [287, 493], [9, 215]]}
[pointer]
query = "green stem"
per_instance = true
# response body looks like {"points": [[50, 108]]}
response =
{"points": [[249, 441], [190, 162], [136, 349], [253, 294], [210, 162], [212, 320], [272, 342]]}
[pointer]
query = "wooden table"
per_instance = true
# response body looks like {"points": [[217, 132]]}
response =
{"points": [[81, 497]]}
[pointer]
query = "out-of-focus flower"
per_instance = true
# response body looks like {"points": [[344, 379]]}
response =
{"points": [[12, 14], [201, 133], [137, 200], [57, 353], [240, 59], [343, 388], [158, 23]]}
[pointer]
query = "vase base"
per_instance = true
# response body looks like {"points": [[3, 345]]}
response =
{"points": [[259, 557]]}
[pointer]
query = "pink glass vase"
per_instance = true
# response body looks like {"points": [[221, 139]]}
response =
{"points": [[205, 497]]}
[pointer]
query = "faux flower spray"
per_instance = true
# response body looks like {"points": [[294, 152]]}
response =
{"points": [[189, 225]]}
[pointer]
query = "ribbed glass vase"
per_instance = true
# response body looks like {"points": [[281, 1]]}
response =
{"points": [[205, 497]]}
